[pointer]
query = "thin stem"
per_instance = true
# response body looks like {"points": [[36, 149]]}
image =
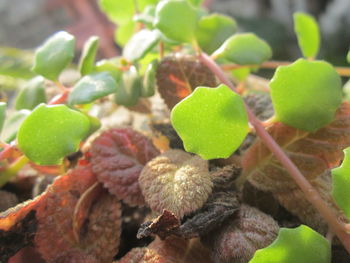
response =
{"points": [[12, 171], [310, 192], [61, 98], [342, 71]]}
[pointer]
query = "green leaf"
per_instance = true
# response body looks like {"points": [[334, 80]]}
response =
{"points": [[124, 33], [128, 88], [341, 184], [16, 63], [92, 87], [348, 56], [177, 20], [212, 122], [2, 114], [121, 12], [147, 16], [32, 94], [241, 74], [12, 124], [50, 133], [54, 55], [140, 44], [244, 49], [297, 245], [195, 2], [308, 34], [213, 30], [95, 124], [111, 66], [149, 80], [306, 94], [87, 59]]}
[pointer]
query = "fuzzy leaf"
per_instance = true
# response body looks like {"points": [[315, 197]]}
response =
{"points": [[128, 88], [92, 87], [207, 113], [177, 20], [54, 55], [244, 49], [140, 44], [12, 124], [176, 181], [213, 30], [87, 58], [31, 95], [149, 80], [177, 76], [301, 244], [2, 114], [341, 184], [50, 133], [294, 89], [118, 156], [308, 34]]}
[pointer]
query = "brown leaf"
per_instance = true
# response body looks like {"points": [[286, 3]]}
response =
{"points": [[178, 75], [176, 181], [117, 157]]}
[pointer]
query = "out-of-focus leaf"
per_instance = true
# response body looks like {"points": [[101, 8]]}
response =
{"points": [[2, 114], [301, 244], [128, 88], [124, 32], [92, 87], [54, 55], [50, 133], [111, 66], [32, 94], [16, 63], [87, 59], [12, 124], [149, 80], [308, 33]]}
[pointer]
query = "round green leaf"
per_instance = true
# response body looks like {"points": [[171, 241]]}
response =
{"points": [[92, 87], [11, 125], [2, 114], [244, 49], [54, 55], [177, 20], [50, 133], [306, 94], [341, 184], [149, 80], [308, 34], [297, 245], [140, 44], [213, 30], [87, 59], [128, 88], [32, 94], [212, 122]]}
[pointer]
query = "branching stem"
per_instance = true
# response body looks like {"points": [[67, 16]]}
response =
{"points": [[310, 192]]}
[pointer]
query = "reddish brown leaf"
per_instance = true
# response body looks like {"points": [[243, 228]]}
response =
{"points": [[117, 157], [74, 256], [178, 75], [313, 153]]}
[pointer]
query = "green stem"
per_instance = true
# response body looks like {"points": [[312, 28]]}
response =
{"points": [[12, 170], [310, 192]]}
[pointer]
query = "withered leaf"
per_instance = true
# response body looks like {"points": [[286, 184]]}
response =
{"points": [[75, 256], [117, 157], [176, 181], [178, 75]]}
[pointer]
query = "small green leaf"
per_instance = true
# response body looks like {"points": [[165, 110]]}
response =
{"points": [[341, 184], [241, 74], [92, 87], [348, 56], [244, 49], [213, 30], [50, 133], [87, 59], [149, 80], [32, 94], [177, 20], [2, 114], [297, 245], [54, 55], [12, 124], [95, 124], [128, 88], [308, 34], [147, 16], [111, 66], [124, 33], [140, 44], [212, 122], [306, 94]]}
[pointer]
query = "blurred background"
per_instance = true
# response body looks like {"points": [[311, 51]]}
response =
{"points": [[26, 23]]}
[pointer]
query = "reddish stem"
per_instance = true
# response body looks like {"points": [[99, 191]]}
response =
{"points": [[60, 98], [310, 192]]}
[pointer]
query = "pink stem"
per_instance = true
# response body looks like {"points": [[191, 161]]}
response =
{"points": [[310, 192]]}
